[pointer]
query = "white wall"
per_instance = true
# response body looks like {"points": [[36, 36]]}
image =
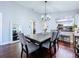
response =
{"points": [[16, 14], [6, 17], [0, 28], [52, 25], [19, 15], [38, 27], [77, 19], [60, 15], [24, 18]]}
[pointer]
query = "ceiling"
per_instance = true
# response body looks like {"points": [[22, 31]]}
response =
{"points": [[51, 6]]}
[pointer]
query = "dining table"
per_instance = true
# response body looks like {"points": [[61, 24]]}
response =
{"points": [[39, 38]]}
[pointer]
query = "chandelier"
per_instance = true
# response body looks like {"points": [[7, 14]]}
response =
{"points": [[45, 17]]}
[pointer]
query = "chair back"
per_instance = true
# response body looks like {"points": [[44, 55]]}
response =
{"points": [[57, 36], [22, 38], [54, 35]]}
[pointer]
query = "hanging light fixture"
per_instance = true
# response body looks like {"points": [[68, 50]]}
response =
{"points": [[45, 10], [45, 17]]}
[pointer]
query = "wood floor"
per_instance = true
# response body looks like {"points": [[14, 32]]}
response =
{"points": [[14, 50]]}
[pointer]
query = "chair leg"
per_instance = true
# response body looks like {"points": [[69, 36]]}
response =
{"points": [[50, 52], [27, 55], [21, 53], [55, 48], [58, 44]]}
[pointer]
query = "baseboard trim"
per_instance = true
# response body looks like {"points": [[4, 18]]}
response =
{"points": [[10, 42]]}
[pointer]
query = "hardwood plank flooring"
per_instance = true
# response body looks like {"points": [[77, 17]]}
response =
{"points": [[14, 50]]}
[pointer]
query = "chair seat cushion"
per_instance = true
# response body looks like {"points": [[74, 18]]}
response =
{"points": [[46, 44], [32, 47]]}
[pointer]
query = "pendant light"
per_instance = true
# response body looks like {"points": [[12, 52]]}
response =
{"points": [[45, 17]]}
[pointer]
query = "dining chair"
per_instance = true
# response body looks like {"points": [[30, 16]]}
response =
{"points": [[27, 46], [52, 42], [57, 39]]}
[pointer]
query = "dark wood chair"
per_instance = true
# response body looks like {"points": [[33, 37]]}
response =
{"points": [[52, 42], [27, 46], [57, 38]]}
